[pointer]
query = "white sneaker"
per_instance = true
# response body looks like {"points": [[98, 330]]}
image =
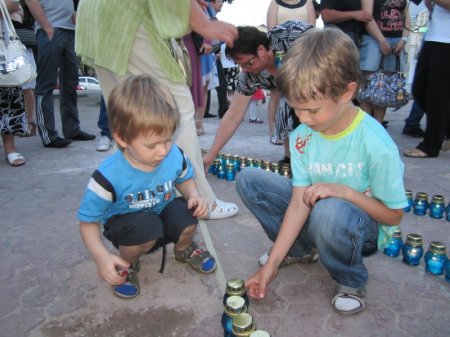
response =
{"points": [[223, 210], [104, 144]]}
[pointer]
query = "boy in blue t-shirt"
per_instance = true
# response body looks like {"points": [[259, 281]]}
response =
{"points": [[132, 193], [347, 193]]}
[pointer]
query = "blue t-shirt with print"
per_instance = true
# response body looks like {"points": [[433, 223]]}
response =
{"points": [[363, 157], [116, 187]]}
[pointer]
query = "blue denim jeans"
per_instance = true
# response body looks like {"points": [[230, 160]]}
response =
{"points": [[338, 229], [103, 123], [415, 116]]}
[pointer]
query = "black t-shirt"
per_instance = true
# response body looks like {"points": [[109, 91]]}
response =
{"points": [[345, 6]]}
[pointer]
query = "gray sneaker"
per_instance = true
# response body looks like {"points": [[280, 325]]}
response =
{"points": [[104, 144], [309, 257]]}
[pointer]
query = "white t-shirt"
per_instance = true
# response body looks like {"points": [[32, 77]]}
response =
{"points": [[439, 25]]}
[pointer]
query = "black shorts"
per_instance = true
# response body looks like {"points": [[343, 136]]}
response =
{"points": [[133, 229]]}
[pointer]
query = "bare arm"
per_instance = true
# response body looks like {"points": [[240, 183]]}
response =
{"points": [[272, 14], [230, 122], [213, 30], [293, 222], [311, 13], [442, 3], [333, 16], [12, 6], [107, 263], [373, 30], [39, 15], [406, 27], [189, 191]]}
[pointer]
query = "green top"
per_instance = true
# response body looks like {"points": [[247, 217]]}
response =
{"points": [[106, 30]]}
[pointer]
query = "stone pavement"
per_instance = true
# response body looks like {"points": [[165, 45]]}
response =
{"points": [[51, 287]]}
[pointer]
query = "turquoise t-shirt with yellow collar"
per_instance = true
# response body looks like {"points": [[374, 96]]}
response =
{"points": [[363, 157]]}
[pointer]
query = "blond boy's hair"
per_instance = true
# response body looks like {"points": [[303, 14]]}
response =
{"points": [[320, 64], [141, 105]]}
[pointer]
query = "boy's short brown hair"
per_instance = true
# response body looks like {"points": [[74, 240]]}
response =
{"points": [[321, 63], [141, 105]]}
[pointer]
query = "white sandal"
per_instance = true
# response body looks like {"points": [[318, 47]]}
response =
{"points": [[222, 210], [15, 159]]}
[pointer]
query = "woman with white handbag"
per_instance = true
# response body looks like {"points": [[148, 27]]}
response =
{"points": [[12, 113]]}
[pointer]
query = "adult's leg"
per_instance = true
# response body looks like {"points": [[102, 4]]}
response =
{"points": [[68, 75], [432, 73], [103, 120], [143, 61], [48, 61], [340, 230], [415, 116]]}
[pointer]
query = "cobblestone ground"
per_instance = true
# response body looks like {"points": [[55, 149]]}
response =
{"points": [[51, 288]]}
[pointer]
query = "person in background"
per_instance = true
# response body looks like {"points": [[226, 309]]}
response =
{"points": [[252, 110], [24, 24], [412, 122], [317, 8], [231, 71], [196, 86], [255, 51], [431, 86], [347, 15], [55, 33], [105, 141], [11, 100], [215, 7], [132, 193], [347, 193], [280, 11], [384, 44], [146, 45]]}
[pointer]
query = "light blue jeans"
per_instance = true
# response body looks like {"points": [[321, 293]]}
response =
{"points": [[338, 229]]}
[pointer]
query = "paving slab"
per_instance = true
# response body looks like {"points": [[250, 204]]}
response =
{"points": [[51, 287]]}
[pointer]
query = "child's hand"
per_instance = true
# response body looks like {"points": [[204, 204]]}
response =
{"points": [[257, 285], [324, 190], [109, 266], [199, 205]]}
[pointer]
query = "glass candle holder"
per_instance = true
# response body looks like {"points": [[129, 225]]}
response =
{"points": [[437, 207], [436, 258], [229, 172], [421, 203], [409, 197], [234, 305], [243, 325], [412, 250], [395, 245], [236, 287]]}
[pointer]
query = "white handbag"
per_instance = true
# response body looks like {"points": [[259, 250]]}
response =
{"points": [[15, 70]]}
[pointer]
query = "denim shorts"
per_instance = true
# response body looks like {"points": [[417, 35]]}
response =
{"points": [[137, 228], [370, 55]]}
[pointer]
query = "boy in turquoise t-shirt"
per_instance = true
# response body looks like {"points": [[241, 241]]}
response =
{"points": [[347, 174]]}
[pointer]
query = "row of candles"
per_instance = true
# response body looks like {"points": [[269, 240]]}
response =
{"points": [[436, 260], [420, 205], [225, 166]]}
